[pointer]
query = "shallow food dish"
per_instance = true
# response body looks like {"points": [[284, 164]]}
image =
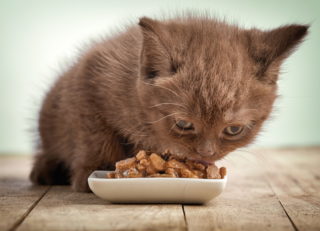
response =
{"points": [[155, 190]]}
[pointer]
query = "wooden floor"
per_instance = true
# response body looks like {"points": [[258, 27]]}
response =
{"points": [[267, 190]]}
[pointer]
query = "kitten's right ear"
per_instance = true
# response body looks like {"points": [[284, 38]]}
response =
{"points": [[269, 48], [155, 57]]}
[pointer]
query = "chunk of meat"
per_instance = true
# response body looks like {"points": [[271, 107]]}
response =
{"points": [[157, 162], [213, 172], [223, 172], [126, 163], [187, 173], [142, 154], [173, 163], [165, 165]]}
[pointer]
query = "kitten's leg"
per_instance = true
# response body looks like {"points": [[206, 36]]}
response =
{"points": [[48, 170], [104, 150]]}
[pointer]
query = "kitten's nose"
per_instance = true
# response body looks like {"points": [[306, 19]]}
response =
{"points": [[205, 149]]}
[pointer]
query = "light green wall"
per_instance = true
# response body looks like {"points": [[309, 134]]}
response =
{"points": [[37, 37]]}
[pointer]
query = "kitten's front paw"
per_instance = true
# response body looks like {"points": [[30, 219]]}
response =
{"points": [[80, 183], [81, 188]]}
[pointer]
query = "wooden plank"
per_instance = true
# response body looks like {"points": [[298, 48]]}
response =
{"points": [[294, 177], [62, 209], [251, 201], [17, 195], [248, 202]]}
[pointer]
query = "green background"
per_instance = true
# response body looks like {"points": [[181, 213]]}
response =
{"points": [[39, 38]]}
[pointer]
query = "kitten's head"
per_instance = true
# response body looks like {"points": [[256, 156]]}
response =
{"points": [[206, 86]]}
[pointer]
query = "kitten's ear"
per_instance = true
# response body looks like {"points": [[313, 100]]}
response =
{"points": [[269, 48], [155, 57]]}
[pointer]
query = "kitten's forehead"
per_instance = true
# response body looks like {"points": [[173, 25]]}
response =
{"points": [[215, 65], [205, 42], [218, 85], [213, 101]]}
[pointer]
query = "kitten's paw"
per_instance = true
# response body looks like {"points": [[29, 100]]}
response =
{"points": [[49, 172], [39, 177], [80, 183], [81, 188]]}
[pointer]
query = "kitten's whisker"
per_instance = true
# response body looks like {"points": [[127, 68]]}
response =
{"points": [[172, 128], [173, 92], [160, 104], [134, 132], [259, 159], [247, 151], [228, 160], [257, 155], [152, 122]]}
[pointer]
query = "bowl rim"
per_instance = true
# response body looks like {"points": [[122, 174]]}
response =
{"points": [[92, 177]]}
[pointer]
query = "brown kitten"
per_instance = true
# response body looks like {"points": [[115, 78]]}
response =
{"points": [[193, 85]]}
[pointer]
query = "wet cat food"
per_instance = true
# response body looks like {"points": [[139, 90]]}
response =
{"points": [[146, 164]]}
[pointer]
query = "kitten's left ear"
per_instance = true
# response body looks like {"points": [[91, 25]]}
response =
{"points": [[269, 48], [155, 55]]}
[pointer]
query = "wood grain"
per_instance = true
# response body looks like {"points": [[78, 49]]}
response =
{"points": [[294, 177], [267, 190], [62, 209], [17, 195], [248, 203]]}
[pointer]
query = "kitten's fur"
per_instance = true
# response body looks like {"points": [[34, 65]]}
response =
{"points": [[126, 93]]}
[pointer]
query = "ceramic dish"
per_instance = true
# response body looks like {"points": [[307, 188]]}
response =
{"points": [[155, 190]]}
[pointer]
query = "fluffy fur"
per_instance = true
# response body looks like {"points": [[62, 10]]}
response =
{"points": [[127, 92]]}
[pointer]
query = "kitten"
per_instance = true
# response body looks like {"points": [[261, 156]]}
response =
{"points": [[196, 86]]}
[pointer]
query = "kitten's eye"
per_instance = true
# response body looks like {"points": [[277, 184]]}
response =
{"points": [[233, 130], [152, 74], [184, 125]]}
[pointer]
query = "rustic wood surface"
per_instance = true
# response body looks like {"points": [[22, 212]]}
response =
{"points": [[275, 189]]}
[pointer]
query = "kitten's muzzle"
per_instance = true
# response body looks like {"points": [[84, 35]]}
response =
{"points": [[205, 148]]}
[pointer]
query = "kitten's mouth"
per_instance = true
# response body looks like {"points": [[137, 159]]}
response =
{"points": [[197, 158], [203, 160], [194, 157]]}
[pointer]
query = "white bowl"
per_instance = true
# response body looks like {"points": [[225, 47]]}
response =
{"points": [[155, 190]]}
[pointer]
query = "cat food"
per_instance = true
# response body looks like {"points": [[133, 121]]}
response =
{"points": [[146, 164]]}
